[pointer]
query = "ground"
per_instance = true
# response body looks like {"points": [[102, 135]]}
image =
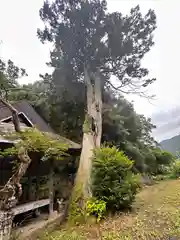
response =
{"points": [[155, 215]]}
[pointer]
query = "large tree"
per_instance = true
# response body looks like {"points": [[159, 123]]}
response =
{"points": [[91, 45]]}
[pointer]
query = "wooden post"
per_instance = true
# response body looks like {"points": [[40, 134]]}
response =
{"points": [[6, 218], [51, 187], [29, 190], [37, 212], [37, 187]]}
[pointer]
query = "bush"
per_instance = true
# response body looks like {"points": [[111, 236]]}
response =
{"points": [[161, 177], [175, 169], [113, 180], [163, 157], [163, 170]]}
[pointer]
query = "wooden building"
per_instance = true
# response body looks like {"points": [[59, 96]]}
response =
{"points": [[37, 169]]}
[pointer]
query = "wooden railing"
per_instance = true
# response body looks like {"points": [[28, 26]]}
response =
{"points": [[30, 206]]}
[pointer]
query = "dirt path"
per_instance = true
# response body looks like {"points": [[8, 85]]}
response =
{"points": [[41, 224]]}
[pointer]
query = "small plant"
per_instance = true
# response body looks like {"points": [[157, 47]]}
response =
{"points": [[96, 208]]}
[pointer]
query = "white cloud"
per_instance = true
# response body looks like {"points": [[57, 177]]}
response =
{"points": [[162, 60], [19, 21]]}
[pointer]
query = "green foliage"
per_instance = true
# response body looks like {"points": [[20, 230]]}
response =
{"points": [[161, 177], [158, 161], [163, 157], [163, 169], [112, 178], [172, 145], [37, 94], [61, 97], [9, 73], [166, 167], [96, 208], [99, 40], [111, 42], [175, 169], [36, 141], [122, 126], [9, 152]]}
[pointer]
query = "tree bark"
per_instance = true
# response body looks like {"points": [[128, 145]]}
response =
{"points": [[51, 188], [98, 99], [91, 139], [8, 194]]}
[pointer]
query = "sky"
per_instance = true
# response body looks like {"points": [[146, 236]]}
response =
{"points": [[19, 21]]}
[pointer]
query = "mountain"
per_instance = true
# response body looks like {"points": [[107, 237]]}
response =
{"points": [[167, 130], [172, 145], [167, 123]]}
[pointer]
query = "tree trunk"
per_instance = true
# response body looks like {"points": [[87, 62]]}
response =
{"points": [[51, 188], [8, 196], [98, 99], [91, 139]]}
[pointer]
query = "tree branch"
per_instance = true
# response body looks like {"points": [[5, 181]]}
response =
{"points": [[14, 112], [140, 93], [8, 192]]}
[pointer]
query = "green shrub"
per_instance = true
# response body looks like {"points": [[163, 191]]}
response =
{"points": [[96, 208], [163, 169], [161, 177], [163, 157], [175, 169], [112, 179]]}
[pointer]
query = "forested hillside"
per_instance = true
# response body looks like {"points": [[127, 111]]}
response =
{"points": [[172, 145], [64, 111]]}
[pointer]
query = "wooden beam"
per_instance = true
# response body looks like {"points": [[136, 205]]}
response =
{"points": [[30, 206]]}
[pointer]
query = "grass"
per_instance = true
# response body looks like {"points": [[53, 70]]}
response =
{"points": [[155, 215]]}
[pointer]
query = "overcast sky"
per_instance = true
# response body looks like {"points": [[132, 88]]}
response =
{"points": [[19, 20]]}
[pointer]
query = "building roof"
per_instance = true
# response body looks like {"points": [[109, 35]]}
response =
{"points": [[6, 128], [25, 108], [28, 118]]}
